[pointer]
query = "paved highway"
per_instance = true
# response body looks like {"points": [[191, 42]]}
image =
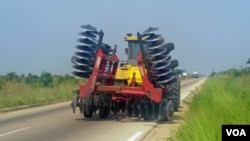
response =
{"points": [[58, 123]]}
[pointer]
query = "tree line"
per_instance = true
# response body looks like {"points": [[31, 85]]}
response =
{"points": [[45, 79]]}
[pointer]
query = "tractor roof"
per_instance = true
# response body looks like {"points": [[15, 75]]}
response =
{"points": [[133, 38]]}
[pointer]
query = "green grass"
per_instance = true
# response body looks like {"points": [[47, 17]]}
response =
{"points": [[17, 94], [222, 100]]}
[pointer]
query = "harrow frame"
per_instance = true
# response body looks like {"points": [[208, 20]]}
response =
{"points": [[91, 85]]}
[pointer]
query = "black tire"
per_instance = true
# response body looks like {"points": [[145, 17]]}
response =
{"points": [[163, 110], [174, 63], [174, 93]]}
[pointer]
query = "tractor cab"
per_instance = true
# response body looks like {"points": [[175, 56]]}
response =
{"points": [[133, 49], [129, 71]]}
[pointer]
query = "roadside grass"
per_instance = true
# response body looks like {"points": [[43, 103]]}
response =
{"points": [[222, 100], [17, 94]]}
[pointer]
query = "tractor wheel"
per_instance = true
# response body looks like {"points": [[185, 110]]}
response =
{"points": [[88, 104], [104, 105], [175, 93]]}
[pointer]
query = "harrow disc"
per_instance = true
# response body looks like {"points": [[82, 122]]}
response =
{"points": [[165, 80], [129, 108], [82, 68], [81, 61], [157, 52], [80, 75], [162, 72], [91, 49], [87, 41], [89, 27], [89, 34], [136, 108], [104, 105], [166, 110], [161, 65], [159, 59], [157, 56], [150, 30], [88, 104], [86, 52]]}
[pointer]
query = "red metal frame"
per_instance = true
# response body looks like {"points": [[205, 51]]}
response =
{"points": [[90, 86], [98, 73]]}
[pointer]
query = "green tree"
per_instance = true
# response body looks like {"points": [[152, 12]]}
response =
{"points": [[32, 79], [11, 76], [46, 79], [179, 71]]}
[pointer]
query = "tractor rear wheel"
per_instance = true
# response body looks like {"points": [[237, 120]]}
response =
{"points": [[174, 92], [163, 109]]}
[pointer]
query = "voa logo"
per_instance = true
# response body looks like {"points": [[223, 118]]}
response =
{"points": [[236, 132]]}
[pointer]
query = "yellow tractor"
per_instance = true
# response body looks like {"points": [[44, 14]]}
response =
{"points": [[129, 70]]}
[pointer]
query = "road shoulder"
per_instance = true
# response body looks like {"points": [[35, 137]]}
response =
{"points": [[167, 131]]}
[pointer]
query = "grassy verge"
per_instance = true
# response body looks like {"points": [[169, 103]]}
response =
{"points": [[223, 100], [17, 94]]}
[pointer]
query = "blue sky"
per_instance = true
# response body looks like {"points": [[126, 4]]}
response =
{"points": [[38, 36]]}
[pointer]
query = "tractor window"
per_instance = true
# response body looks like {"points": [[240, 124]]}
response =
{"points": [[133, 50]]}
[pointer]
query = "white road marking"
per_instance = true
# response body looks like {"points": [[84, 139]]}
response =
{"points": [[135, 136], [18, 130]]}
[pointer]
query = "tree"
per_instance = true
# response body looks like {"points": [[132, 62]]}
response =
{"points": [[32, 79], [178, 71], [46, 79], [11, 76]]}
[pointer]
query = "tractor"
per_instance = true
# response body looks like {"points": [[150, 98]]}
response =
{"points": [[144, 86]]}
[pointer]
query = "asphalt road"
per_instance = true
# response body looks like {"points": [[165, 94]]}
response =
{"points": [[58, 123]]}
